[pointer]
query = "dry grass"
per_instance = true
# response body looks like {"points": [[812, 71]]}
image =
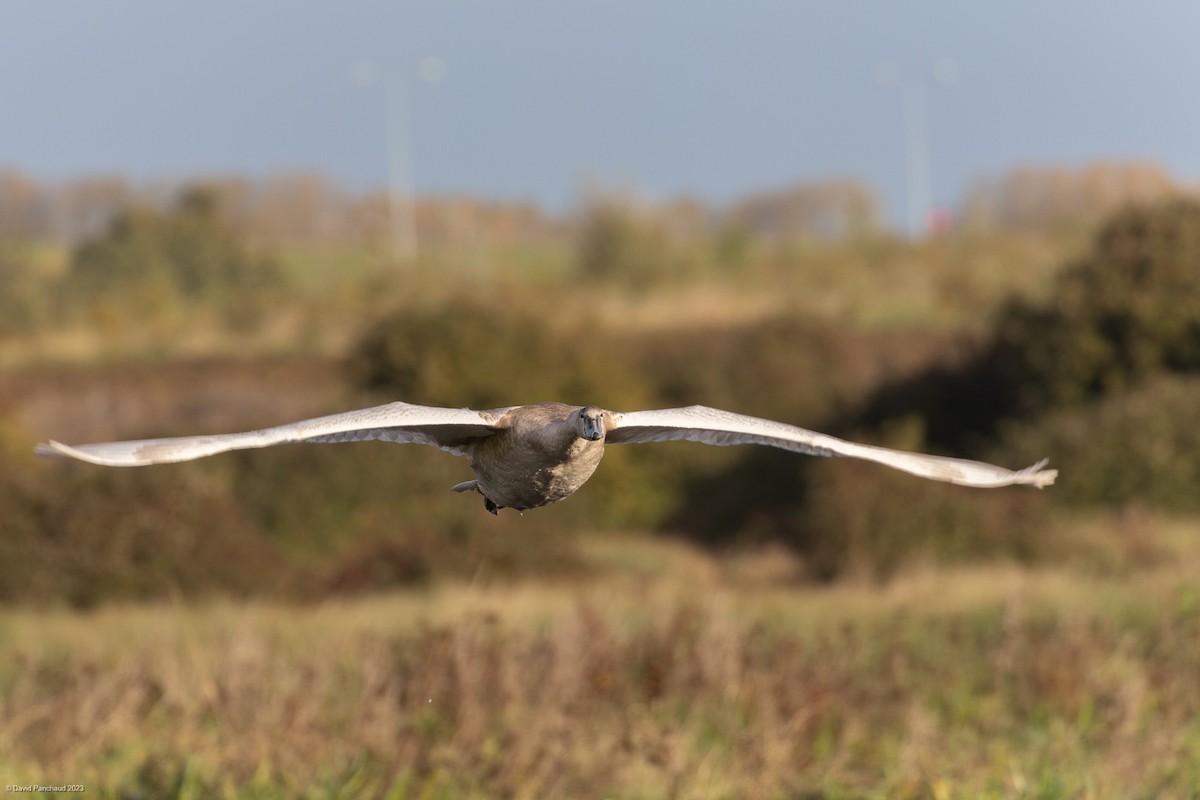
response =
{"points": [[670, 675]]}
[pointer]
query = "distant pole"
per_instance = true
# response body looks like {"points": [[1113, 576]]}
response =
{"points": [[400, 193], [918, 169], [401, 203]]}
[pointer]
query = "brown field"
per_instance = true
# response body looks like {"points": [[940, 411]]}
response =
{"points": [[670, 673]]}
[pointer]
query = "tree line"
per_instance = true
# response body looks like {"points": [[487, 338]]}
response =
{"points": [[305, 209]]}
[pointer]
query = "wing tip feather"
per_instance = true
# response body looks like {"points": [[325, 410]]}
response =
{"points": [[1036, 476], [50, 449], [55, 449]]}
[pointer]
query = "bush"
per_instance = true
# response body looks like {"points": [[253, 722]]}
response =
{"points": [[861, 520], [479, 355], [149, 263], [845, 517], [1126, 312], [335, 520], [616, 242], [23, 292], [1141, 447], [87, 535], [786, 367]]}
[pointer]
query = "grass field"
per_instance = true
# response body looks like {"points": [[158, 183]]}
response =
{"points": [[670, 673]]}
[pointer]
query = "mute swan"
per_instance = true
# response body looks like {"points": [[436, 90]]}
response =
{"points": [[529, 456]]}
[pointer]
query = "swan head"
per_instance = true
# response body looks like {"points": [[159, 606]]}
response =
{"points": [[591, 423]]}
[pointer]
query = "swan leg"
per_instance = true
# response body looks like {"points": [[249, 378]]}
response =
{"points": [[490, 506]]}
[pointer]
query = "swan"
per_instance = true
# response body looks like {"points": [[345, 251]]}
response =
{"points": [[529, 456]]}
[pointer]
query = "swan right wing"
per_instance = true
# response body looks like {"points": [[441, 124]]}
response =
{"points": [[451, 429]]}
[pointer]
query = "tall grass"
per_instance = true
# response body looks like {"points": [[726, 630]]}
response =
{"points": [[690, 683]]}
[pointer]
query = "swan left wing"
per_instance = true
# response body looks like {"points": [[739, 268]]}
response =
{"points": [[714, 426], [451, 429]]}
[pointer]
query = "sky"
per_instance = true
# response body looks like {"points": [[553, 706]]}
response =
{"points": [[535, 99]]}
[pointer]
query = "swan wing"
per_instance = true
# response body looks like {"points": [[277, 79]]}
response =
{"points": [[451, 429], [714, 426]]}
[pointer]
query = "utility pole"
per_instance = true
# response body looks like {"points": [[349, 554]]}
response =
{"points": [[918, 170], [402, 206]]}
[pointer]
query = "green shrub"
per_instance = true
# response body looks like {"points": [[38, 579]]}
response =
{"points": [[149, 264], [1127, 311], [484, 355], [89, 535], [1141, 446], [858, 519], [301, 522], [845, 517], [786, 367], [23, 293], [615, 242]]}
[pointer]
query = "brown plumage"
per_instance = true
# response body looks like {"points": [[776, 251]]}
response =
{"points": [[540, 454]]}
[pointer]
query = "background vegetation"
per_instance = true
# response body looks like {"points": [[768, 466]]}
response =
{"points": [[164, 625]]}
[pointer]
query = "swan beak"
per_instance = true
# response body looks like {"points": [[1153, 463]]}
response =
{"points": [[593, 428]]}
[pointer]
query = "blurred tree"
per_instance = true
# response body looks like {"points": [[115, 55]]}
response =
{"points": [[831, 209], [25, 207], [1125, 313], [1128, 310], [1139, 446], [68, 212], [468, 353], [164, 533], [151, 261], [1039, 198], [618, 240], [23, 294]]}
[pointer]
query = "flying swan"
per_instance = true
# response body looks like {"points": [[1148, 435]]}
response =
{"points": [[529, 456]]}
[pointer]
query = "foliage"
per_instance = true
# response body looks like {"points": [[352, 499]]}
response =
{"points": [[847, 518], [1139, 447], [331, 522], [1046, 197], [371, 516], [1127, 311], [154, 262], [469, 353], [615, 242], [481, 355], [24, 304], [832, 210], [85, 537], [785, 366]]}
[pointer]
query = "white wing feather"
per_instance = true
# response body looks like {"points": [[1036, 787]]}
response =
{"points": [[714, 426], [451, 429]]}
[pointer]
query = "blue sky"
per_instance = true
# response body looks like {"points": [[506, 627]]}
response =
{"points": [[535, 97]]}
